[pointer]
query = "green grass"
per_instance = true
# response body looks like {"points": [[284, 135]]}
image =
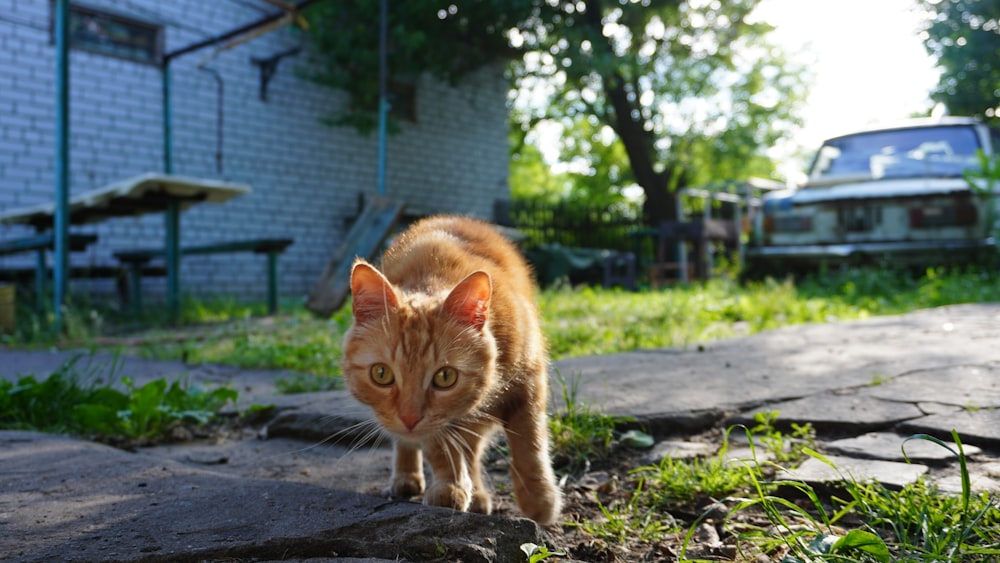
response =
{"points": [[295, 342], [791, 522], [597, 321], [576, 322], [865, 522], [630, 521], [869, 522]]}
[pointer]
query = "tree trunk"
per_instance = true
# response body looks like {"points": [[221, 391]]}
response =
{"points": [[660, 205], [639, 140]]}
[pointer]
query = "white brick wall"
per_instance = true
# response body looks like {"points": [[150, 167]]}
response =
{"points": [[305, 175]]}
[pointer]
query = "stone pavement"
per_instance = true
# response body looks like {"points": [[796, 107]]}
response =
{"points": [[864, 385]]}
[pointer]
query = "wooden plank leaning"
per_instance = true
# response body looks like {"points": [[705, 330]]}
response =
{"points": [[363, 240]]}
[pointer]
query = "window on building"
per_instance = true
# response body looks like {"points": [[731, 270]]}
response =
{"points": [[113, 35]]}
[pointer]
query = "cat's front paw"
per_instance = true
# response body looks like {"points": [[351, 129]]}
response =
{"points": [[542, 502], [406, 485], [481, 503], [449, 495]]}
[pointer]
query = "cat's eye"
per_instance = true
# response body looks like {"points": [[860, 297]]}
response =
{"points": [[445, 378], [381, 374]]}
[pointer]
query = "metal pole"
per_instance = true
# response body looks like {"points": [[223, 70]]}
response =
{"points": [[383, 98], [168, 133], [233, 33], [61, 223], [173, 258], [172, 217]]}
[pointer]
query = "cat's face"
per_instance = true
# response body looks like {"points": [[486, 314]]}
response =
{"points": [[421, 360]]}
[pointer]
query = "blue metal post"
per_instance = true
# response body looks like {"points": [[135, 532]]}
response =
{"points": [[61, 223], [173, 258], [168, 133], [383, 94], [41, 272], [173, 215]]}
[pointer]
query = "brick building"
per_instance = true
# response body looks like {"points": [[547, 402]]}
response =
{"points": [[306, 176]]}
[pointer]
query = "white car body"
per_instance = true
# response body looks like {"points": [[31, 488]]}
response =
{"points": [[893, 193]]}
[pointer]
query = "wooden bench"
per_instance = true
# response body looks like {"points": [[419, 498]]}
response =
{"points": [[137, 260], [40, 243]]}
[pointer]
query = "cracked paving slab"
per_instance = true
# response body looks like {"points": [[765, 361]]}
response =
{"points": [[71, 500]]}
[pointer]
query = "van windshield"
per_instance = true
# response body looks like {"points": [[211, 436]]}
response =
{"points": [[899, 153]]}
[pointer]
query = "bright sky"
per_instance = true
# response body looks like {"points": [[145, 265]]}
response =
{"points": [[867, 57]]}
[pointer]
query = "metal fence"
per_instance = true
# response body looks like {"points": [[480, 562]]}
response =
{"points": [[606, 227]]}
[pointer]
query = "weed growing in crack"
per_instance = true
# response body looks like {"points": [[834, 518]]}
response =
{"points": [[678, 482], [629, 521], [580, 433], [787, 449]]}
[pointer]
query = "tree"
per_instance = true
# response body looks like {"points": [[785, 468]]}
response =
{"points": [[964, 37], [531, 178], [685, 85]]}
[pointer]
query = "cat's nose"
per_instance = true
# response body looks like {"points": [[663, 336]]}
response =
{"points": [[411, 419]]}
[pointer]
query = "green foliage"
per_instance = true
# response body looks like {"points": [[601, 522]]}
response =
{"points": [[679, 482], [963, 37], [307, 383], [81, 318], [984, 181], [599, 173], [445, 41], [536, 553], [693, 91], [73, 401], [886, 291], [531, 178], [790, 521], [216, 309], [930, 525], [585, 320]]}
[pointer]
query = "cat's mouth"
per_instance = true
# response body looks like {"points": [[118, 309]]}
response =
{"points": [[415, 435]]}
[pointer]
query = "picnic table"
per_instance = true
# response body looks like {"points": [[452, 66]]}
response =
{"points": [[146, 193]]}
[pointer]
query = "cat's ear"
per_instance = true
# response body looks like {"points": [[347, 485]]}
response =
{"points": [[373, 294], [469, 302]]}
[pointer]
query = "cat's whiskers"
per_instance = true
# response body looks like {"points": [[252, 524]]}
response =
{"points": [[372, 438], [480, 415], [366, 432], [373, 435], [452, 442]]}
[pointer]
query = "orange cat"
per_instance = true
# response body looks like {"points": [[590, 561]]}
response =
{"points": [[446, 347]]}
